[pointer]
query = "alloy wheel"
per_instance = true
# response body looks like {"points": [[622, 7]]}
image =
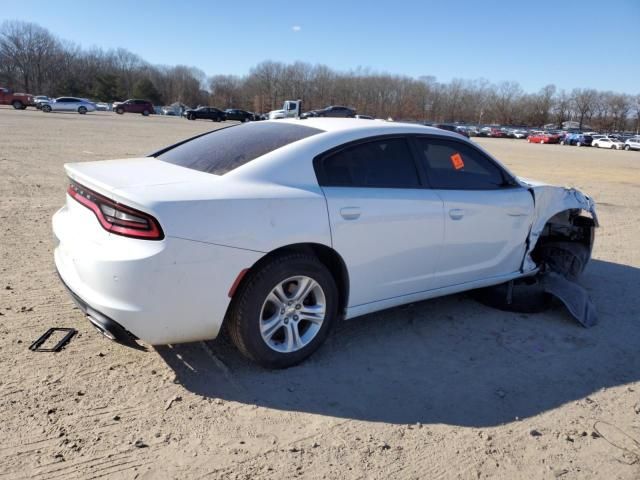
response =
{"points": [[292, 314]]}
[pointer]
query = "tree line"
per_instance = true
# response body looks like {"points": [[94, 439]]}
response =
{"points": [[34, 60]]}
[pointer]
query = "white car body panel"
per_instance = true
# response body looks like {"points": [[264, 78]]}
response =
{"points": [[485, 233], [398, 245], [193, 203], [390, 239]]}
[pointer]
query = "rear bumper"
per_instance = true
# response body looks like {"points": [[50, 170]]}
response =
{"points": [[107, 326], [162, 292]]}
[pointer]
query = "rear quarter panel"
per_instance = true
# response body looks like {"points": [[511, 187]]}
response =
{"points": [[253, 216]]}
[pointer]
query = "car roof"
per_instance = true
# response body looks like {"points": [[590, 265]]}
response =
{"points": [[364, 126]]}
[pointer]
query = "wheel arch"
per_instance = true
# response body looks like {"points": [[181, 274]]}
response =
{"points": [[571, 225], [325, 254]]}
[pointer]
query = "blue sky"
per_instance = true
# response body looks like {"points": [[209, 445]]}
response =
{"points": [[534, 43]]}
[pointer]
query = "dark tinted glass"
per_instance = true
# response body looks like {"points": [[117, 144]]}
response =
{"points": [[223, 150], [382, 163], [454, 165]]}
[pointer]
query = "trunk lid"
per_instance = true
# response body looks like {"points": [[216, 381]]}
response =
{"points": [[107, 176]]}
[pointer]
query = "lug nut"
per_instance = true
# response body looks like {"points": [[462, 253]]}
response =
{"points": [[295, 317], [298, 307]]}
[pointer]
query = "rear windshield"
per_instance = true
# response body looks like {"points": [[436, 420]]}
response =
{"points": [[226, 149]]}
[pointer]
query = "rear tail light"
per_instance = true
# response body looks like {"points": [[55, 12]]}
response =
{"points": [[115, 217]]}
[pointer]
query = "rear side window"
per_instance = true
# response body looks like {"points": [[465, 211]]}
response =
{"points": [[384, 163], [455, 166], [226, 149]]}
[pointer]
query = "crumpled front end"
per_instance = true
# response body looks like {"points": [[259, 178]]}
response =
{"points": [[560, 208]]}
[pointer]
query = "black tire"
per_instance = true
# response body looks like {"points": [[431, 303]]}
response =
{"points": [[243, 320], [82, 110], [217, 119], [145, 113], [18, 105], [567, 258], [119, 111], [46, 108], [527, 296]]}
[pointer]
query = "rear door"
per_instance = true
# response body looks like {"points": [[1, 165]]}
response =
{"points": [[384, 223], [487, 215]]}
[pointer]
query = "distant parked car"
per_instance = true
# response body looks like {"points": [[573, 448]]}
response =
{"points": [[497, 133], [452, 128], [239, 115], [103, 107], [333, 111], [39, 100], [145, 107], [577, 139], [364, 117], [206, 113], [520, 134], [632, 144], [68, 104], [608, 142], [543, 138]]}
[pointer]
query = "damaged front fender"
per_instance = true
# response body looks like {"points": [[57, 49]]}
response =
{"points": [[552, 201]]}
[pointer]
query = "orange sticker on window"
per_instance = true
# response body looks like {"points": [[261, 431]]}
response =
{"points": [[456, 161]]}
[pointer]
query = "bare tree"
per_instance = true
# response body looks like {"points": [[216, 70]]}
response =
{"points": [[583, 101], [26, 51]]}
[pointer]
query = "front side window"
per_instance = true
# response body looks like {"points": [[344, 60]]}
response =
{"points": [[226, 149], [454, 165], [386, 163]]}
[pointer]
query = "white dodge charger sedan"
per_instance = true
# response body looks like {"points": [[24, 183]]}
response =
{"points": [[277, 229]]}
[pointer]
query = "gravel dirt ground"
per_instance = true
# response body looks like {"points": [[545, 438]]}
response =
{"points": [[446, 388]]}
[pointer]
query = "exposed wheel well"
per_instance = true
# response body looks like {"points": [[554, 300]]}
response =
{"points": [[327, 256], [566, 226]]}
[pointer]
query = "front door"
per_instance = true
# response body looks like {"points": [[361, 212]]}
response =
{"points": [[487, 216]]}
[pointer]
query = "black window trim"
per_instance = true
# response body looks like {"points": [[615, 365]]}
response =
{"points": [[423, 176], [321, 177]]}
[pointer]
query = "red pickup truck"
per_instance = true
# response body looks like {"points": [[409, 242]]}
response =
{"points": [[20, 101]]}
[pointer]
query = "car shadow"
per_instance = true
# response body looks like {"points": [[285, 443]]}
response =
{"points": [[450, 360]]}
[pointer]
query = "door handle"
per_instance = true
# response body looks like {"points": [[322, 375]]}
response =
{"points": [[517, 213], [350, 213], [456, 213]]}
